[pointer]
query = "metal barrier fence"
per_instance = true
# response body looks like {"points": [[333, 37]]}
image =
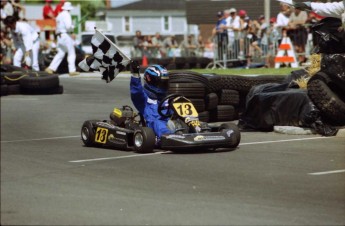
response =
{"points": [[252, 51]]}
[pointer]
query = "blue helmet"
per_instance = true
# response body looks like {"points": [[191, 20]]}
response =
{"points": [[156, 80]]}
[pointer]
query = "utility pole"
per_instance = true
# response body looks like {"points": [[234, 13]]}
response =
{"points": [[267, 11]]}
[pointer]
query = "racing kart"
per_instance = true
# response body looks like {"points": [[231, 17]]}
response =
{"points": [[127, 130]]}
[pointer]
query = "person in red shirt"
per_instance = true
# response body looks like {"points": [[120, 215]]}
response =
{"points": [[48, 13], [58, 7]]}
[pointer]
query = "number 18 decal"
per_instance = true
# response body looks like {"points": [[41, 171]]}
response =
{"points": [[101, 135]]}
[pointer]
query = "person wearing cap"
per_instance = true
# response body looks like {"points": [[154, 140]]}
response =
{"points": [[26, 42], [221, 35], [65, 43], [233, 25], [282, 22]]}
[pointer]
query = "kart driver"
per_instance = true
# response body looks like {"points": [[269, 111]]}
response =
{"points": [[146, 98]]}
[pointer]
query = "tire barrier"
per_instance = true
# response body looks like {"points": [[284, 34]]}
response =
{"points": [[28, 82], [329, 98], [217, 97]]}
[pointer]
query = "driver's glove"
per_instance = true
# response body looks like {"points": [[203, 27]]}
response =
{"points": [[303, 5], [135, 68]]}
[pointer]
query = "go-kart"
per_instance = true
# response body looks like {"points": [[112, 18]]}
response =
{"points": [[127, 130]]}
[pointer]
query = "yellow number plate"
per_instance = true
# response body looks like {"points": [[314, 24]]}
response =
{"points": [[185, 109], [101, 135]]}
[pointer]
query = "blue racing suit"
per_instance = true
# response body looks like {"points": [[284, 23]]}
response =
{"points": [[148, 108]]}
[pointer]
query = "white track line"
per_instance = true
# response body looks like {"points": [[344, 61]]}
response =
{"points": [[327, 172], [281, 141], [39, 139], [119, 157], [164, 152]]}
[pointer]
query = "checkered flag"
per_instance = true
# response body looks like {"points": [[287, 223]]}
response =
{"points": [[107, 58]]}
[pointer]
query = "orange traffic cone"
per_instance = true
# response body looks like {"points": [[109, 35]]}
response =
{"points": [[144, 62]]}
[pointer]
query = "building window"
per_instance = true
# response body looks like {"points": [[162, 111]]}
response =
{"points": [[127, 24], [166, 23]]}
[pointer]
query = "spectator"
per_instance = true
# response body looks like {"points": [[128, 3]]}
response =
{"points": [[233, 24], [138, 44], [209, 49], [283, 17], [172, 47], [7, 7], [64, 29], [48, 13], [157, 43], [189, 46], [201, 46], [18, 9], [242, 34], [298, 32], [26, 42], [147, 46], [273, 40], [252, 40], [58, 8], [5, 44], [221, 35]]}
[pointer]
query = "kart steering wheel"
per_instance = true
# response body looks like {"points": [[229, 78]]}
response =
{"points": [[161, 106]]}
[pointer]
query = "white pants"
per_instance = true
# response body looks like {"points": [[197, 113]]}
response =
{"points": [[65, 45], [31, 60]]}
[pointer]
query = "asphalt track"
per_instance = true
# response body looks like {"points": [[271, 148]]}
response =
{"points": [[49, 178]]}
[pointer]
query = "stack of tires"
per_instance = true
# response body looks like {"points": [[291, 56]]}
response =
{"points": [[326, 89], [16, 80], [217, 98]]}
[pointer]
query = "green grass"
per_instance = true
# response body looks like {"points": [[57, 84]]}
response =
{"points": [[252, 71]]}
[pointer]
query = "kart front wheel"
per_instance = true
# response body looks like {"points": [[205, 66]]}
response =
{"points": [[88, 134], [144, 140], [235, 136]]}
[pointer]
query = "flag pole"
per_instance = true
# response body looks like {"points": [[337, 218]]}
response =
{"points": [[118, 49]]}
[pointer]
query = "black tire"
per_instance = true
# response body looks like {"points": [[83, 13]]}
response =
{"points": [[55, 90], [235, 136], [4, 89], [204, 116], [13, 78], [223, 113], [211, 101], [229, 97], [13, 89], [144, 140], [245, 83], [88, 133], [36, 83], [199, 104], [11, 68], [193, 90], [331, 106]]}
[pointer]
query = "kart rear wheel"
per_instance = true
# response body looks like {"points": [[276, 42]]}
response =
{"points": [[235, 136], [144, 140], [88, 134]]}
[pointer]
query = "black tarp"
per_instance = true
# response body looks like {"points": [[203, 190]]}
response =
{"points": [[273, 104]]}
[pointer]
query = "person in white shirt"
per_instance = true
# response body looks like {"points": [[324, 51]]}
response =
{"points": [[283, 18], [233, 24], [65, 44], [26, 42], [329, 9]]}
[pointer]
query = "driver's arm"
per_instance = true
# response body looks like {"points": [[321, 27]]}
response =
{"points": [[138, 96]]}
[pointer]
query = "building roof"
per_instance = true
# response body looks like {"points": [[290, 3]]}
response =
{"points": [[205, 11], [154, 5]]}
